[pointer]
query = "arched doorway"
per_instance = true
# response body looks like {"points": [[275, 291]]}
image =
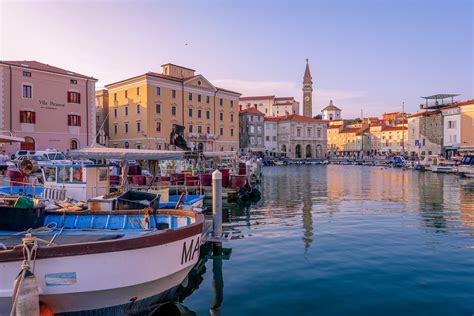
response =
{"points": [[200, 147], [29, 144], [126, 145], [298, 151], [283, 149], [319, 151], [309, 152], [73, 144]]}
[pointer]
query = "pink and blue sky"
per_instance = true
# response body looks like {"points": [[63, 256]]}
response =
{"points": [[370, 55]]}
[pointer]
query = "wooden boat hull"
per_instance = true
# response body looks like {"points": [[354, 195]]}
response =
{"points": [[96, 275]]}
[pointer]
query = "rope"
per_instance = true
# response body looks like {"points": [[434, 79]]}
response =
{"points": [[30, 245]]}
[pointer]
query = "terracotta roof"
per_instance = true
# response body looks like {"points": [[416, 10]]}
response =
{"points": [[35, 65], [260, 97], [424, 113], [395, 128], [284, 98], [455, 105], [350, 130], [391, 113], [334, 126], [271, 118], [251, 110], [296, 118], [171, 78]]}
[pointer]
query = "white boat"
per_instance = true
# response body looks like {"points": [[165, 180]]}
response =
{"points": [[101, 260], [466, 168], [441, 165], [427, 162]]}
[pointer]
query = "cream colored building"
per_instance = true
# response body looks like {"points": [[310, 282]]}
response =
{"points": [[271, 105], [144, 109]]}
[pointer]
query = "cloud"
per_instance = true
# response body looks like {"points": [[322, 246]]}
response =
{"points": [[350, 101]]}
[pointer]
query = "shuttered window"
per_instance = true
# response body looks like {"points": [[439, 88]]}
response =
{"points": [[73, 97], [73, 120], [27, 117]]}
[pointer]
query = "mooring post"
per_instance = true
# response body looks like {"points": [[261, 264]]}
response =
{"points": [[217, 204]]}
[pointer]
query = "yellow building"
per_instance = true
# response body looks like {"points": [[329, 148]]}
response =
{"points": [[394, 139], [335, 141], [144, 109]]}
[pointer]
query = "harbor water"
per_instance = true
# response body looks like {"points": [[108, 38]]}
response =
{"points": [[346, 240]]}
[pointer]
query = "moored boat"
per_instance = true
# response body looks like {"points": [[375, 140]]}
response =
{"points": [[466, 167], [95, 260]]}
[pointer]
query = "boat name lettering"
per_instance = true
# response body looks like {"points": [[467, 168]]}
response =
{"points": [[189, 252]]}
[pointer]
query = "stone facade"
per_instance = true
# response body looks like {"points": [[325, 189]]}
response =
{"points": [[301, 137], [252, 132]]}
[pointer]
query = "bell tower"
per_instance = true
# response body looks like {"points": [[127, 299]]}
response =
{"points": [[307, 92]]}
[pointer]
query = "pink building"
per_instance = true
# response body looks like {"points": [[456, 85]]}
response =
{"points": [[50, 107]]}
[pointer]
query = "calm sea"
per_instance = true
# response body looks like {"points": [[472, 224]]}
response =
{"points": [[347, 240]]}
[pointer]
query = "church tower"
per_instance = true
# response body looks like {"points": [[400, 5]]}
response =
{"points": [[307, 92]]}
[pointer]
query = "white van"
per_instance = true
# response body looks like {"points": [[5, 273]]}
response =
{"points": [[54, 156]]}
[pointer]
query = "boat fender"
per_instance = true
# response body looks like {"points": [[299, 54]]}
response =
{"points": [[45, 310], [26, 297]]}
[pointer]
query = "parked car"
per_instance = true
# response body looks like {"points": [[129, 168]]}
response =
{"points": [[22, 152], [54, 156]]}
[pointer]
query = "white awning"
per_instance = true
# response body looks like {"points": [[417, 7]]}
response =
{"points": [[11, 139], [127, 154], [220, 154]]}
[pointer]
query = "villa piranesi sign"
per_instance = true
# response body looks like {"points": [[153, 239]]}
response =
{"points": [[51, 105]]}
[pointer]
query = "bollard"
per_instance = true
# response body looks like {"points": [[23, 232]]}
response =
{"points": [[217, 204]]}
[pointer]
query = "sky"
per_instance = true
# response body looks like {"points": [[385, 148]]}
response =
{"points": [[369, 55]]}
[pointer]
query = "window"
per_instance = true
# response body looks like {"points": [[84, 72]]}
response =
{"points": [[252, 129], [190, 96], [199, 129], [259, 140], [138, 126], [138, 108], [173, 94], [208, 129], [126, 110], [73, 97], [115, 96], [231, 103], [158, 91], [298, 132], [266, 111], [138, 90], [27, 117], [259, 128], [252, 140], [26, 74], [208, 99], [139, 146], [73, 120], [222, 148], [319, 133], [208, 115], [115, 129], [221, 131], [73, 81], [27, 91], [274, 138], [221, 116], [173, 110], [158, 108], [451, 124], [251, 118], [126, 128], [221, 102], [199, 98], [308, 132], [190, 111], [232, 117], [231, 132], [199, 113], [267, 138], [126, 94], [191, 128], [158, 126], [115, 112]]}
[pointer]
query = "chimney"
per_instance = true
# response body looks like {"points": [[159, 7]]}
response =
{"points": [[255, 106], [240, 107]]}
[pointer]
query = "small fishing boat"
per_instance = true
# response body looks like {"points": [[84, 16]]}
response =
{"points": [[441, 165], [92, 260], [466, 168]]}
